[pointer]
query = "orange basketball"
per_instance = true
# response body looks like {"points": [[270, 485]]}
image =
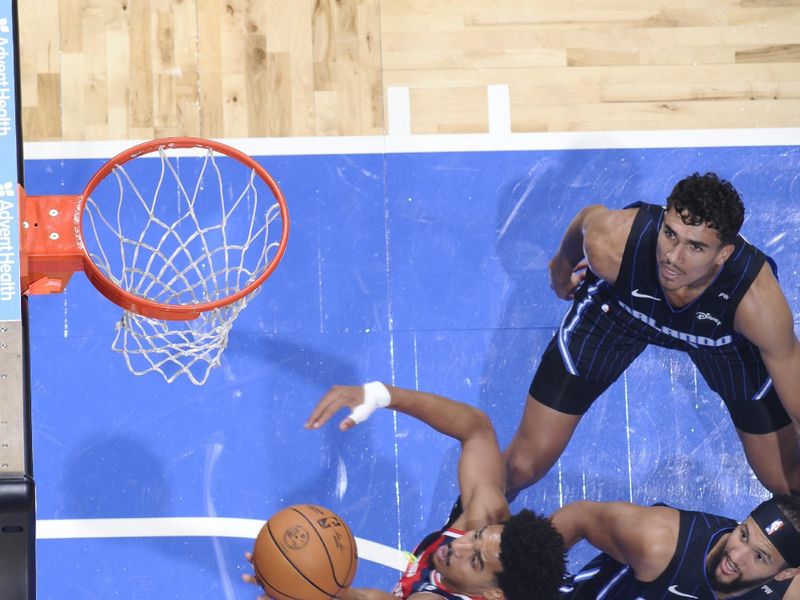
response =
{"points": [[304, 552]]}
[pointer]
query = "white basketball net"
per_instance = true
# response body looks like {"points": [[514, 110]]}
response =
{"points": [[195, 230]]}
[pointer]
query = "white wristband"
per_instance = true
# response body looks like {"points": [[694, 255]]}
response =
{"points": [[375, 396]]}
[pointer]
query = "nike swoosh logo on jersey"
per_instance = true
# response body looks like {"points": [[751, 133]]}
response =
{"points": [[673, 589], [637, 294]]}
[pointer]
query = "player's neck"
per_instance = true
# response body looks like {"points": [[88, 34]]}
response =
{"points": [[736, 594], [447, 584]]}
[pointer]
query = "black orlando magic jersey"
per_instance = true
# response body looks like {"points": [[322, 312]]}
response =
{"points": [[603, 578], [609, 325], [707, 321]]}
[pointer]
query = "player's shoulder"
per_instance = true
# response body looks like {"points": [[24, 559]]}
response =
{"points": [[623, 515], [608, 228], [763, 301], [793, 591], [659, 521], [605, 236], [601, 216], [656, 528], [766, 281]]}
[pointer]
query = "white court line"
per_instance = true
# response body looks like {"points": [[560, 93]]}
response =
{"points": [[500, 138], [398, 103], [499, 110], [60, 529], [457, 142]]}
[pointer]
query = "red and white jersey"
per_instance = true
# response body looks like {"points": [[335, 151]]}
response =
{"points": [[420, 576]]}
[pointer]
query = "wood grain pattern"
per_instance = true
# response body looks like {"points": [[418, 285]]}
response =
{"points": [[137, 69]]}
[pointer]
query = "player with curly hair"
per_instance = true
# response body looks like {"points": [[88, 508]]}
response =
{"points": [[532, 555], [679, 277], [482, 553]]}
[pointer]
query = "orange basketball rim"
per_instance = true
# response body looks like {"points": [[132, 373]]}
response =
{"points": [[56, 243]]}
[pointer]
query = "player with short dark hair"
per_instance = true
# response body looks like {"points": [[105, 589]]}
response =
{"points": [[482, 553], [681, 278], [532, 556], [708, 199]]}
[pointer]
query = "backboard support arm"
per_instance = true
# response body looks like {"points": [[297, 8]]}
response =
{"points": [[48, 241]]}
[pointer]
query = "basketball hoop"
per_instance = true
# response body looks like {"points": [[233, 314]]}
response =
{"points": [[179, 232]]}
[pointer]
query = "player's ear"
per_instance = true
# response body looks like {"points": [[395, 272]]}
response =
{"points": [[787, 573], [725, 253]]}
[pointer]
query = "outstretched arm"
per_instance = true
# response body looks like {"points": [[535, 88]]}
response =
{"points": [[643, 537], [481, 474]]}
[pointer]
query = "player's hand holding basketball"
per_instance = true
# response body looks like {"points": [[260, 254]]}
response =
{"points": [[361, 400], [251, 578], [303, 552]]}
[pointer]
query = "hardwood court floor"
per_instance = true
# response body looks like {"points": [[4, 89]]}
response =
{"points": [[134, 69]]}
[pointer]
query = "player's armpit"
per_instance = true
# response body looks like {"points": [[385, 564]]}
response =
{"points": [[486, 506]]}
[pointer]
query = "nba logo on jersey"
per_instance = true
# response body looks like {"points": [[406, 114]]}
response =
{"points": [[774, 527]]}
